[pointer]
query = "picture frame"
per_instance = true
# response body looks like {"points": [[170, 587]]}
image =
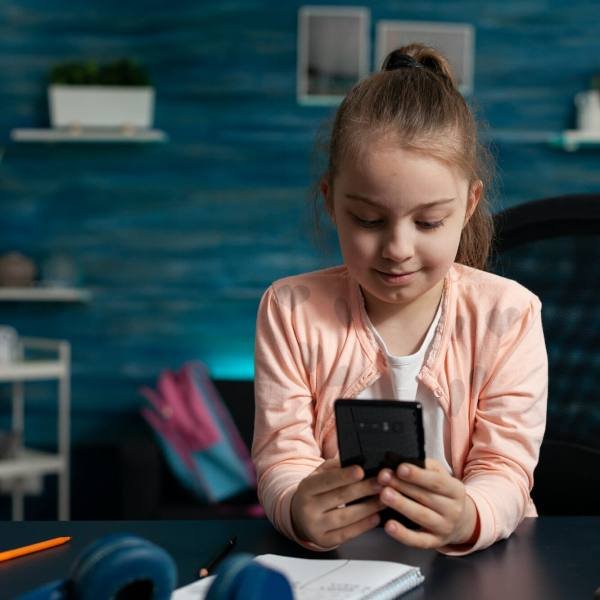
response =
{"points": [[333, 52], [455, 40]]}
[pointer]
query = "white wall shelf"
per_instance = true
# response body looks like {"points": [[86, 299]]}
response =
{"points": [[573, 139], [27, 465], [44, 294], [88, 135]]}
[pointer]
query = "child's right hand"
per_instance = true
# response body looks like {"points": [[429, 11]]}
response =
{"points": [[319, 514]]}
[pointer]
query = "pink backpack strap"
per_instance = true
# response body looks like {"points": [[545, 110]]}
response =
{"points": [[205, 429], [174, 441], [194, 423], [197, 374]]}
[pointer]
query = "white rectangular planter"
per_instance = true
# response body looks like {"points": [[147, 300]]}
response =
{"points": [[101, 106]]}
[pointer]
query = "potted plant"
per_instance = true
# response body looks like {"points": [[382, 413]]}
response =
{"points": [[113, 95]]}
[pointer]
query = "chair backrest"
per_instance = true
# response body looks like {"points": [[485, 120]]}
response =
{"points": [[552, 247]]}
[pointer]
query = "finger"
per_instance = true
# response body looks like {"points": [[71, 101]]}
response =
{"points": [[345, 494], [410, 537], [332, 478], [438, 482], [422, 515], [434, 465], [348, 532], [327, 465], [421, 495], [347, 515]]}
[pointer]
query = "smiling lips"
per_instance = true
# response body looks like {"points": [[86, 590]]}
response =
{"points": [[396, 274], [395, 278]]}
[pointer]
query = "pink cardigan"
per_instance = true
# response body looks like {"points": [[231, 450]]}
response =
{"points": [[487, 366]]}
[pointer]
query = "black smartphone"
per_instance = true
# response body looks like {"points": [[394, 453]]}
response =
{"points": [[376, 434]]}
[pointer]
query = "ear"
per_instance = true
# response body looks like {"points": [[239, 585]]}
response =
{"points": [[327, 192], [473, 200]]}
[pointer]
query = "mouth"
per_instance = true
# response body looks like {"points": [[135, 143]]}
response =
{"points": [[397, 274], [396, 278]]}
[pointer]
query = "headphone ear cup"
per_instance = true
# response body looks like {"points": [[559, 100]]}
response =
{"points": [[257, 582], [240, 577], [118, 561]]}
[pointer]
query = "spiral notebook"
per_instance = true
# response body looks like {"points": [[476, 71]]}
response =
{"points": [[330, 579]]}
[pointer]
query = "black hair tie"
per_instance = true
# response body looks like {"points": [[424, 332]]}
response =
{"points": [[397, 60]]}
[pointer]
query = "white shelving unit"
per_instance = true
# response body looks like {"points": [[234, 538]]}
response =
{"points": [[88, 135], [44, 294], [28, 462]]}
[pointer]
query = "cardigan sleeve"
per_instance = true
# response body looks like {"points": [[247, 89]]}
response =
{"points": [[509, 426], [284, 448]]}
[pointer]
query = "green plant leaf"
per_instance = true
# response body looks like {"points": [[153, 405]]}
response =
{"points": [[123, 72]]}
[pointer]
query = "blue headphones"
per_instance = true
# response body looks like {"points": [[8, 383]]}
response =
{"points": [[127, 566], [241, 578]]}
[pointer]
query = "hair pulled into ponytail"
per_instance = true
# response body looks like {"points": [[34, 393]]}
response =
{"points": [[414, 101], [420, 56]]}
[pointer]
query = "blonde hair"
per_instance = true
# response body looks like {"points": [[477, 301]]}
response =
{"points": [[414, 98]]}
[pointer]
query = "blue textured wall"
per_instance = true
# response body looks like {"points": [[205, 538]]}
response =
{"points": [[179, 240]]}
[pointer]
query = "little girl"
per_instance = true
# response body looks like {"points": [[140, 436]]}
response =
{"points": [[411, 315]]}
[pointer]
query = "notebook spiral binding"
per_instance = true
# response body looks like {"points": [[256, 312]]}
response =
{"points": [[397, 587]]}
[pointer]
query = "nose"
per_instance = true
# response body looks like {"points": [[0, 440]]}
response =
{"points": [[398, 246]]}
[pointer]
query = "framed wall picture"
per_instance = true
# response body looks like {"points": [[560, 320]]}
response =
{"points": [[455, 40], [333, 52]]}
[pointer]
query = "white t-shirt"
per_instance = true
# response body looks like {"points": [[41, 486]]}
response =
{"points": [[400, 383]]}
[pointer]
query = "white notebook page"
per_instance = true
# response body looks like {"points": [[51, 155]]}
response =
{"points": [[327, 579]]}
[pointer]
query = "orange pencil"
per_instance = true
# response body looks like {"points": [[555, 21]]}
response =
{"points": [[9, 554]]}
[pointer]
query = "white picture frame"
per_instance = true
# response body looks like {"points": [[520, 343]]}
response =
{"points": [[333, 52], [455, 40]]}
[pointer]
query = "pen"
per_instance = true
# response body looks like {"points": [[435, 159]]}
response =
{"points": [[204, 571], [10, 554]]}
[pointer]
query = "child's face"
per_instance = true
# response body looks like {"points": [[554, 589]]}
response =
{"points": [[385, 228]]}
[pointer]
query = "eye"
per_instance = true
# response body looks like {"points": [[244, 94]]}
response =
{"points": [[430, 224], [367, 223]]}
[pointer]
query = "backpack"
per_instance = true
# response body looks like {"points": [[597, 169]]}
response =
{"points": [[197, 434]]}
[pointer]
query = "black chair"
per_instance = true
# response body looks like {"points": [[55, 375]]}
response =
{"points": [[552, 247]]}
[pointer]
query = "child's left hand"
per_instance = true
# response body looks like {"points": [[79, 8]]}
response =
{"points": [[433, 499]]}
